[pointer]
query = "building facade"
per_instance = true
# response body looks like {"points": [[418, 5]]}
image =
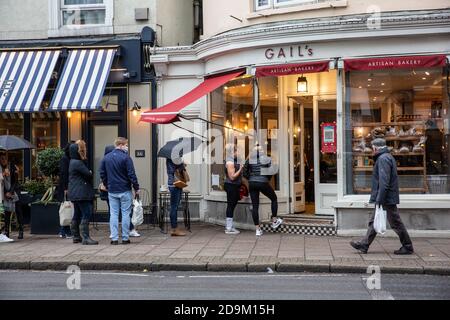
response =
{"points": [[319, 77], [98, 77]]}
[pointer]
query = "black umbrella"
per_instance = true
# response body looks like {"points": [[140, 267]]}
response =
{"points": [[10, 143], [175, 149]]}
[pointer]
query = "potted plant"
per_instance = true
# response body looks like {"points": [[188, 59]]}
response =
{"points": [[45, 211]]}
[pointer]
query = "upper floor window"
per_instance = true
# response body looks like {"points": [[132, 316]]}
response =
{"points": [[83, 12], [270, 4]]}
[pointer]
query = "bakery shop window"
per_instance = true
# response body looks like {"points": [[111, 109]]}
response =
{"points": [[409, 108]]}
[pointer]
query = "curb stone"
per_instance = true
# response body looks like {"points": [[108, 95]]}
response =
{"points": [[115, 266], [177, 266], [52, 265], [347, 268], [15, 265], [220, 266], [401, 269], [433, 270], [260, 267], [230, 267], [303, 267]]}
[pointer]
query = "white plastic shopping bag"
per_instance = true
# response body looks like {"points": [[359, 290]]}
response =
{"points": [[138, 213], [379, 223], [66, 213]]}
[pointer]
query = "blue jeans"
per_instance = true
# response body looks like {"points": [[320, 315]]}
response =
{"points": [[120, 202], [175, 198], [82, 210]]}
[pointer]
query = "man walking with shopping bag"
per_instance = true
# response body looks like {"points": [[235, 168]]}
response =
{"points": [[385, 193]]}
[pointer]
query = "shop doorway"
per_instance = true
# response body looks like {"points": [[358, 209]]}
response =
{"points": [[312, 154]]}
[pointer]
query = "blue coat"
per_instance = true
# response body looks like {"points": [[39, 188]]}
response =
{"points": [[385, 180], [117, 172]]}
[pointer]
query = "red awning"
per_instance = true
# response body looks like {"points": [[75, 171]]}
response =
{"points": [[170, 112], [287, 69], [407, 62]]}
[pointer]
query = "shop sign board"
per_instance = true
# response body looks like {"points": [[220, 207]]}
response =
{"points": [[328, 132]]}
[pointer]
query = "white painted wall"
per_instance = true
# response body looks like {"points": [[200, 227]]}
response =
{"points": [[140, 134], [175, 19], [39, 19], [24, 19], [217, 14]]}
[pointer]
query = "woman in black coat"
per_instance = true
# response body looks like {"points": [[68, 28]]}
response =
{"points": [[63, 185], [81, 193]]}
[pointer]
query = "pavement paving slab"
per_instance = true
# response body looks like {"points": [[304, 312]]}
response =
{"points": [[207, 248]]}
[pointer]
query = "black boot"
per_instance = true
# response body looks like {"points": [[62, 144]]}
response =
{"points": [[20, 232], [7, 223], [84, 226], [75, 229]]}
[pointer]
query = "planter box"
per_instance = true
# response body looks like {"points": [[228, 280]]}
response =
{"points": [[45, 218]]}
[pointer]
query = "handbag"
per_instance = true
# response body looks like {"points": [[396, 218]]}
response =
{"points": [[379, 222], [66, 211], [138, 213], [181, 178], [103, 191]]}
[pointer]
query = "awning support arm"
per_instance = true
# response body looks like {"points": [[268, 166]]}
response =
{"points": [[190, 131], [214, 123]]}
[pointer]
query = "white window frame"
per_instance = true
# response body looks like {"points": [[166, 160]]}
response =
{"points": [[278, 4], [267, 6], [274, 4], [57, 29], [85, 7]]}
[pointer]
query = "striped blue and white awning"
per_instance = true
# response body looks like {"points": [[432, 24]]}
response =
{"points": [[24, 77], [83, 80]]}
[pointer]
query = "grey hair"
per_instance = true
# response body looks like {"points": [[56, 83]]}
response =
{"points": [[379, 142]]}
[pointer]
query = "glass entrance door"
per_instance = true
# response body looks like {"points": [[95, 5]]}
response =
{"points": [[325, 156], [301, 155], [102, 134]]}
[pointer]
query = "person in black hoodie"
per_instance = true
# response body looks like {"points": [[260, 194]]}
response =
{"points": [[81, 193], [63, 185]]}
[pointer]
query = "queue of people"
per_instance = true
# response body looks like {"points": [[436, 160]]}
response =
{"points": [[118, 180]]}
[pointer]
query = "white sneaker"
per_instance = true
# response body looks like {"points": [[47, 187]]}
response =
{"points": [[259, 232], [4, 238], [134, 233], [277, 223], [231, 231]]}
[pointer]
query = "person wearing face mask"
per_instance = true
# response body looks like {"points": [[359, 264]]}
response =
{"points": [[119, 177]]}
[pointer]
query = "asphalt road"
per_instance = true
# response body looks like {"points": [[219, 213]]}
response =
{"points": [[216, 286]]}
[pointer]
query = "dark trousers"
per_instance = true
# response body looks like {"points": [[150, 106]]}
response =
{"points": [[175, 198], [19, 217], [232, 191], [82, 210], [396, 224], [266, 189]]}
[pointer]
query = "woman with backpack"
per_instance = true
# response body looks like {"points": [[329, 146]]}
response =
{"points": [[258, 172]]}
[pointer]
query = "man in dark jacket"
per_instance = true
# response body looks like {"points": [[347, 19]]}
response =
{"points": [[118, 175], [385, 192], [63, 185], [81, 193]]}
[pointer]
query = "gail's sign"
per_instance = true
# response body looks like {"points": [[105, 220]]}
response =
{"points": [[288, 52]]}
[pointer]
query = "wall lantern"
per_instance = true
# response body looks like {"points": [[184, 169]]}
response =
{"points": [[69, 114], [302, 84], [136, 109]]}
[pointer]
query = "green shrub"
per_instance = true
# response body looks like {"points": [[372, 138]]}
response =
{"points": [[36, 187], [48, 161]]}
